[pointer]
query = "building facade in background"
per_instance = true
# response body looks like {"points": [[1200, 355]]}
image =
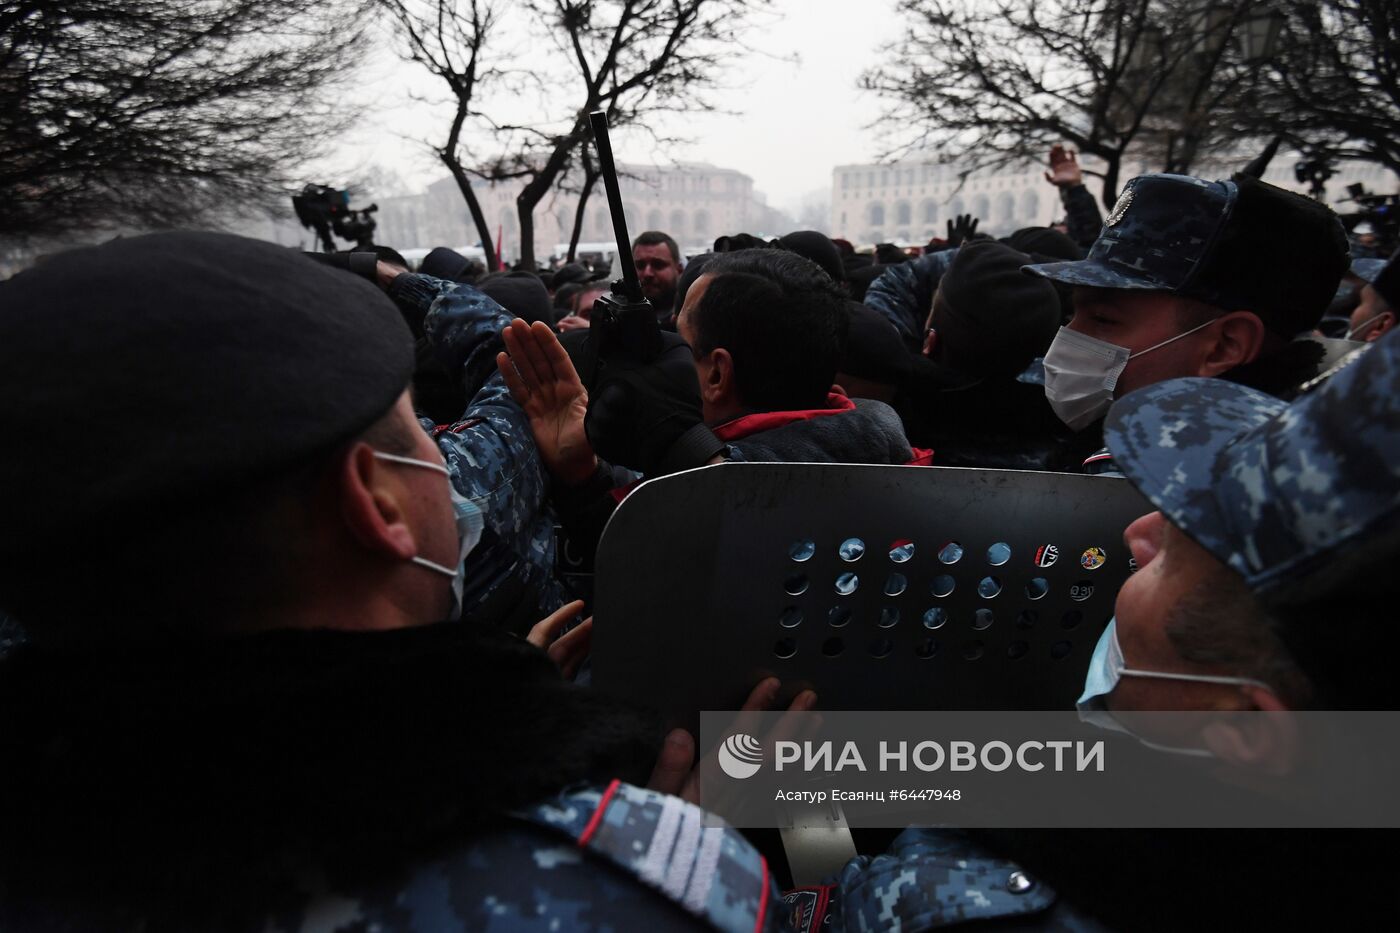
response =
{"points": [[693, 202], [910, 202]]}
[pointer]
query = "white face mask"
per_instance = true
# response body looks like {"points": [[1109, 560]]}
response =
{"points": [[1081, 373], [469, 525], [1106, 668]]}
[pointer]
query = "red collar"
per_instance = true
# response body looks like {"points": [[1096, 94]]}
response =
{"points": [[745, 425]]}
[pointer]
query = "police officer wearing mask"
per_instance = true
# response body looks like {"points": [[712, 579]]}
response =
{"points": [[244, 703], [1190, 278], [1375, 315], [1265, 582]]}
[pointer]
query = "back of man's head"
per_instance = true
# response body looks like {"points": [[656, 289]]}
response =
{"points": [[782, 320], [987, 317], [173, 393]]}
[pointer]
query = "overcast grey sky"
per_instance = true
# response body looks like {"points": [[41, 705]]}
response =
{"points": [[795, 119]]}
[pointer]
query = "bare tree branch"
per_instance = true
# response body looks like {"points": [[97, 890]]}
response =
{"points": [[157, 112]]}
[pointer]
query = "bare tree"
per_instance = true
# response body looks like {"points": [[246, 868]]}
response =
{"points": [[1333, 86], [591, 174], [985, 85], [448, 38], [638, 60], [161, 112]]}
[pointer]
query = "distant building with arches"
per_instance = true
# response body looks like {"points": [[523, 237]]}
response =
{"points": [[910, 202], [692, 201]]}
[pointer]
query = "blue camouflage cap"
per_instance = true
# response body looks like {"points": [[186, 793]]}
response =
{"points": [[1240, 244], [1302, 500], [1383, 275], [1367, 269], [1154, 238]]}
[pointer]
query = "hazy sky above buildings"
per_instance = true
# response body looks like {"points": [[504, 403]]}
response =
{"points": [[798, 110]]}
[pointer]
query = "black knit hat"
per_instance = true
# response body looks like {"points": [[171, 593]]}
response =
{"points": [[874, 349], [990, 318], [444, 263], [148, 373], [521, 293], [817, 247]]}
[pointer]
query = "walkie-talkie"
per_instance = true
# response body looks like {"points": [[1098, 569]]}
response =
{"points": [[624, 322]]}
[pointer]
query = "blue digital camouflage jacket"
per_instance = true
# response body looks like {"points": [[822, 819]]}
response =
{"points": [[489, 450]]}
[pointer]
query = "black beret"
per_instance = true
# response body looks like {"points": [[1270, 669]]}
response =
{"points": [[521, 293], [992, 319], [874, 349], [154, 371]]}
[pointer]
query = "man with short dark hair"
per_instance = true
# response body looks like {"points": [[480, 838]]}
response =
{"points": [[766, 330], [658, 261]]}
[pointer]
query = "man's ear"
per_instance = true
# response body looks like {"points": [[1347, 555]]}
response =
{"points": [[719, 385], [370, 501], [1239, 336], [930, 342], [1383, 324], [1261, 736]]}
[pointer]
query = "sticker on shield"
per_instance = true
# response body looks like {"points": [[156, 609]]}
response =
{"points": [[1093, 558], [1046, 554]]}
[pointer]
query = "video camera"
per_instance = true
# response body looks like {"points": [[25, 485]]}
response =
{"points": [[1314, 172], [323, 209], [1381, 211]]}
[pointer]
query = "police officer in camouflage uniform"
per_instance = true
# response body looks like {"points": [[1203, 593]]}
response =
{"points": [[1192, 278], [1265, 582]]}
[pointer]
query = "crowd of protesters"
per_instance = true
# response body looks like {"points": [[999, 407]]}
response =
{"points": [[288, 647]]}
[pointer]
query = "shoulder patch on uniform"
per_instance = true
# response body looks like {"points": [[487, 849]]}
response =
{"points": [[690, 856]]}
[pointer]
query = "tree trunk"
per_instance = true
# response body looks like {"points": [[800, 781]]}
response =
{"points": [[533, 193], [1112, 166], [483, 232], [589, 179]]}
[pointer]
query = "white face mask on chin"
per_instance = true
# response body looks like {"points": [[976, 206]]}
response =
{"points": [[1081, 373], [469, 527], [1108, 666]]}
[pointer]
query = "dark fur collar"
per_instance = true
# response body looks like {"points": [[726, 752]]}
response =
{"points": [[163, 757]]}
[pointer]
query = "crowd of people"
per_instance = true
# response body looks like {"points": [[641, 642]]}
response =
{"points": [[289, 646]]}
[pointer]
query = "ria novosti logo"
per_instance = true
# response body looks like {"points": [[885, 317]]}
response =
{"points": [[740, 756]]}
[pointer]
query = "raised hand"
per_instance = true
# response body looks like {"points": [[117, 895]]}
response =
{"points": [[544, 383], [1064, 168], [963, 230]]}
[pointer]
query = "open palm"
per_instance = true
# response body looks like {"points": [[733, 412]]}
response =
{"points": [[544, 383]]}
